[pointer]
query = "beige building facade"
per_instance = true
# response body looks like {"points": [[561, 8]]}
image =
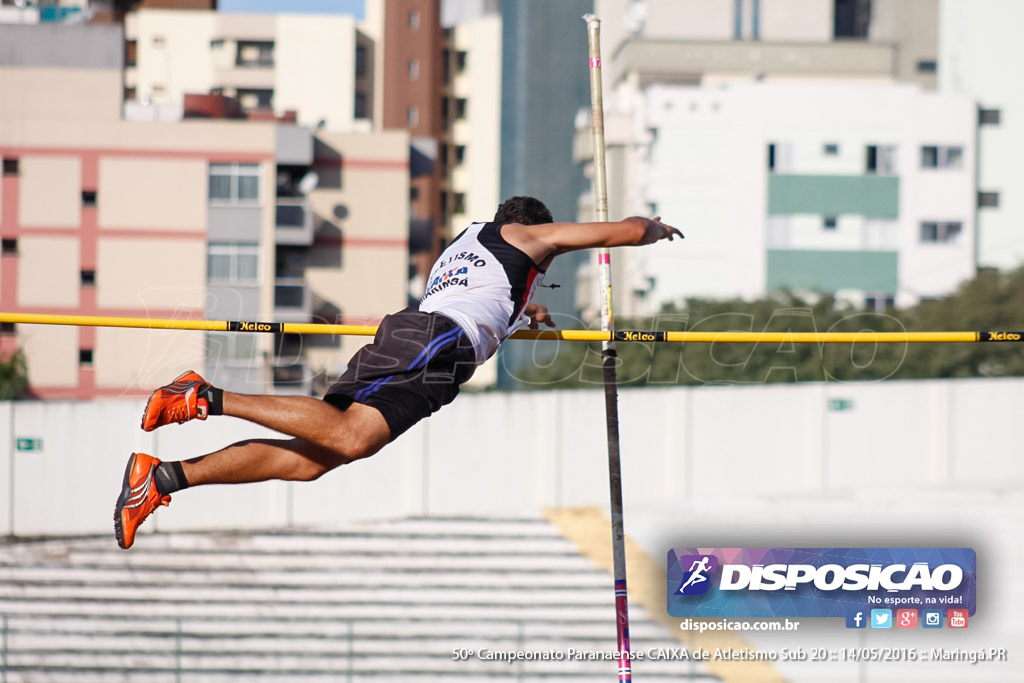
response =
{"points": [[318, 66], [195, 218]]}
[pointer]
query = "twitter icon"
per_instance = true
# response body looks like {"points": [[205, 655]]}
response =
{"points": [[881, 618]]}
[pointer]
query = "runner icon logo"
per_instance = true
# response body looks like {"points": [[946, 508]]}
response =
{"points": [[697, 578]]}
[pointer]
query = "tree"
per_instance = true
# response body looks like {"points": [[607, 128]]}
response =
{"points": [[13, 376], [988, 302]]}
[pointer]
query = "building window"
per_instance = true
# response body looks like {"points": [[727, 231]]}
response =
{"points": [[831, 149], [933, 156], [360, 106], [7, 328], [217, 44], [414, 20], [10, 167], [414, 69], [989, 199], [237, 183], [412, 116], [460, 107], [446, 66], [85, 356], [361, 60], [442, 158], [880, 159], [830, 222], [461, 58], [255, 98], [9, 246], [458, 202], [771, 156], [255, 53], [852, 18], [989, 117], [880, 303], [936, 232], [89, 198], [131, 49], [460, 155], [88, 278], [232, 349], [232, 263], [927, 66]]}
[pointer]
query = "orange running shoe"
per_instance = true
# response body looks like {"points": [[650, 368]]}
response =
{"points": [[138, 498], [178, 402]]}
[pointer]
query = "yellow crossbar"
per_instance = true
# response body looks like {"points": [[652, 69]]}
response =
{"points": [[864, 336]]}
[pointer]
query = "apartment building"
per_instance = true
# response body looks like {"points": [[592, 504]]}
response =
{"points": [[978, 46], [194, 217], [724, 117], [441, 81], [411, 85], [471, 147], [868, 195], [318, 66]]}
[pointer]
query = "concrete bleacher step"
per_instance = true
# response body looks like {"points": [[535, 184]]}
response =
{"points": [[380, 601]]}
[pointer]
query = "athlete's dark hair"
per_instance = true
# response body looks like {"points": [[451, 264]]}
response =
{"points": [[523, 210]]}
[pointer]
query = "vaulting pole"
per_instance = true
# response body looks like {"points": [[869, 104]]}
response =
{"points": [[608, 355]]}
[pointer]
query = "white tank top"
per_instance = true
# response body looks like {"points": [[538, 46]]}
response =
{"points": [[482, 283]]}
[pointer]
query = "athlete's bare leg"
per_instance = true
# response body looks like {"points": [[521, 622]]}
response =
{"points": [[325, 438]]}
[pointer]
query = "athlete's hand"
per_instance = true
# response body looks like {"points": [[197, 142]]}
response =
{"points": [[655, 230], [538, 314]]}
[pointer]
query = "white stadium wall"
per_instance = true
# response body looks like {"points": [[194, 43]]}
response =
{"points": [[515, 454]]}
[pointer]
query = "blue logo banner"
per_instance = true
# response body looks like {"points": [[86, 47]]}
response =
{"points": [[818, 582]]}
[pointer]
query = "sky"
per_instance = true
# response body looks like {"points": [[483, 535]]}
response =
{"points": [[354, 7]]}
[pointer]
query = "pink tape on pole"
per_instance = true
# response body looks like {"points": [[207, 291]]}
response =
{"points": [[595, 62], [604, 259]]}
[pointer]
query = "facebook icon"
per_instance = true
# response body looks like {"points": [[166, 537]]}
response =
{"points": [[856, 619]]}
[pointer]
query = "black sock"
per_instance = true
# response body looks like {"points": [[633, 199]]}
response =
{"points": [[170, 478], [214, 399]]}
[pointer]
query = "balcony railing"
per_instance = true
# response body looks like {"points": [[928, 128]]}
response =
{"points": [[293, 301], [294, 221]]}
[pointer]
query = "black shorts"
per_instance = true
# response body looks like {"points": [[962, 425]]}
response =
{"points": [[413, 367]]}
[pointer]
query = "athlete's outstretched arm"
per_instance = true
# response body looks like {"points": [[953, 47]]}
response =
{"points": [[634, 231], [544, 242]]}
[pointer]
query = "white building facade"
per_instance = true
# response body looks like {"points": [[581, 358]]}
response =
{"points": [[979, 44], [799, 144], [861, 191], [475, 132]]}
